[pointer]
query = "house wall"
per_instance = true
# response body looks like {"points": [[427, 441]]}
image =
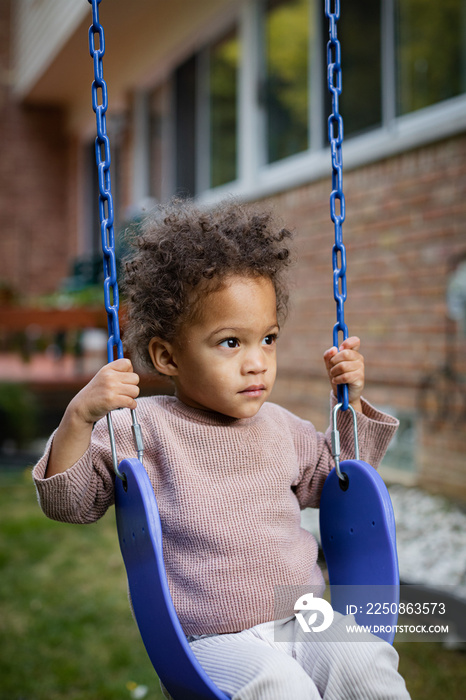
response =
{"points": [[35, 235], [404, 232], [41, 29]]}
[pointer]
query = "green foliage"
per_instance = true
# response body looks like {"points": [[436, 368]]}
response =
{"points": [[86, 296], [8, 293], [223, 62], [18, 414], [431, 671], [287, 61], [430, 67]]}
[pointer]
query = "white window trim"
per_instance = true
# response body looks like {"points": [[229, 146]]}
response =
{"points": [[411, 131]]}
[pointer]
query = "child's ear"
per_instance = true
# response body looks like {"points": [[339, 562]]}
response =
{"points": [[161, 353]]}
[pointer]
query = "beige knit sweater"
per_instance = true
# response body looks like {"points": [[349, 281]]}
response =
{"points": [[229, 493]]}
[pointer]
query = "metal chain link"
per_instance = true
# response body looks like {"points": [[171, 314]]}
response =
{"points": [[106, 213], [103, 160], [337, 211]]}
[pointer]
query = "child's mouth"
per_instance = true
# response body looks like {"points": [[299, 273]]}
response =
{"points": [[253, 390]]}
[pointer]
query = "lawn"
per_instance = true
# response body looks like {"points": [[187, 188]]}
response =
{"points": [[66, 629]]}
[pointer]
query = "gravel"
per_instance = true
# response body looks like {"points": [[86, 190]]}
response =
{"points": [[431, 538]]}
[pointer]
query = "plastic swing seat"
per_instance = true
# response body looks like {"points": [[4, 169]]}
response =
{"points": [[140, 536], [357, 528], [358, 539]]}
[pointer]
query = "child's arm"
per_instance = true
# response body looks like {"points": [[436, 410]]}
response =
{"points": [[114, 386], [345, 365]]}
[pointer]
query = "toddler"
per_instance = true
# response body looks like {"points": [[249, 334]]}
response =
{"points": [[206, 299]]}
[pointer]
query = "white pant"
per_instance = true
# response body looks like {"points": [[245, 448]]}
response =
{"points": [[250, 665]]}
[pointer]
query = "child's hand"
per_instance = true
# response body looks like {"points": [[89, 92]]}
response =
{"points": [[114, 386], [345, 365]]}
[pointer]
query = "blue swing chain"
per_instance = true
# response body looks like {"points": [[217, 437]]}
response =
{"points": [[106, 213], [337, 214], [335, 137]]}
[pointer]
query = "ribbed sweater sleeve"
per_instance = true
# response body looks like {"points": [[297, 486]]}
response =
{"points": [[375, 431], [83, 493]]}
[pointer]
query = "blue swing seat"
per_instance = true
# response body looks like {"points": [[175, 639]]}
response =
{"points": [[357, 528], [140, 535]]}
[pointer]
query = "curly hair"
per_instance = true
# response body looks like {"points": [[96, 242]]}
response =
{"points": [[183, 252]]}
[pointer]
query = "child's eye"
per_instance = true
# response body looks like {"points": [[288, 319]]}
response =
{"points": [[229, 343], [270, 339]]}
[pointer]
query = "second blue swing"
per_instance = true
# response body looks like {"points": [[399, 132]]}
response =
{"points": [[357, 524], [356, 516]]}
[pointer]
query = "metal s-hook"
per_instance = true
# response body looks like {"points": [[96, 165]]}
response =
{"points": [[336, 441], [113, 447], [138, 442]]}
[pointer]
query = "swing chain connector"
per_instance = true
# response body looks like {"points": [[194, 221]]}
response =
{"points": [[335, 436], [137, 436], [111, 434], [138, 442]]}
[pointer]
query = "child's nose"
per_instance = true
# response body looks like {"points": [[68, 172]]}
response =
{"points": [[255, 362]]}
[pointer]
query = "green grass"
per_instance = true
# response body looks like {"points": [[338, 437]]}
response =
{"points": [[66, 631]]}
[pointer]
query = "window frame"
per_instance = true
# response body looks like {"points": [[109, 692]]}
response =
{"points": [[255, 177], [394, 135]]}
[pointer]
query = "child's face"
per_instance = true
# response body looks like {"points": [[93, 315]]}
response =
{"points": [[225, 360]]}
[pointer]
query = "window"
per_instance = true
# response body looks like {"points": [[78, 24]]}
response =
{"points": [[247, 112], [430, 52], [185, 127], [160, 142], [286, 87], [206, 109], [456, 298], [360, 37], [223, 94]]}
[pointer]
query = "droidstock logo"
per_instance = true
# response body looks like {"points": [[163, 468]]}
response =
{"points": [[308, 604]]}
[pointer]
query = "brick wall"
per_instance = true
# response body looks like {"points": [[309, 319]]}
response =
{"points": [[35, 236], [404, 232]]}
